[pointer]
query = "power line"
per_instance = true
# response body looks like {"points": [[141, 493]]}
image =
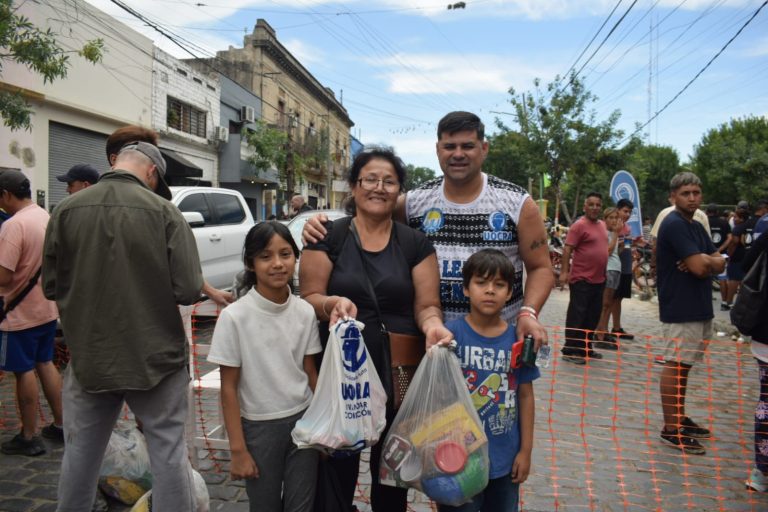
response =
{"points": [[681, 91]]}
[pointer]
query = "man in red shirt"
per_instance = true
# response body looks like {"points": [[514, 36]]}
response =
{"points": [[587, 242]]}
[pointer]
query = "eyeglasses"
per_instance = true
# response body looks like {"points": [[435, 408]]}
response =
{"points": [[370, 183]]}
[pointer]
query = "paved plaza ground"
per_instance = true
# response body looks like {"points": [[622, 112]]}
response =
{"points": [[597, 444]]}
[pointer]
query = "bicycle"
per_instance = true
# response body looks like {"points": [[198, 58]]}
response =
{"points": [[643, 274]]}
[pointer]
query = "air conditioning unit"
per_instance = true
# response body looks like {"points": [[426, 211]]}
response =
{"points": [[247, 114], [221, 134]]}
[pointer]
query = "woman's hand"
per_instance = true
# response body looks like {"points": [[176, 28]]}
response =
{"points": [[243, 466], [437, 334], [343, 309]]}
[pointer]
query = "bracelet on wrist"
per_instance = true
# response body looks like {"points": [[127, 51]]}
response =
{"points": [[530, 309], [526, 313]]}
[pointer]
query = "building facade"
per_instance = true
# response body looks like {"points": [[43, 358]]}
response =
{"points": [[294, 101], [73, 116]]}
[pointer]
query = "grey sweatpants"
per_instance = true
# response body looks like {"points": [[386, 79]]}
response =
{"points": [[281, 466], [88, 422]]}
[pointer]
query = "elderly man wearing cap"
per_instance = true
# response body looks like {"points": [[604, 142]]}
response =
{"points": [[79, 177], [118, 260], [27, 332]]}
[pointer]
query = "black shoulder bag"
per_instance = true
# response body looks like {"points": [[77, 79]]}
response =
{"points": [[752, 299], [20, 297]]}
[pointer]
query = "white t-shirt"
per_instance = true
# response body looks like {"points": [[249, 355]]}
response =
{"points": [[459, 230], [699, 216], [268, 342]]}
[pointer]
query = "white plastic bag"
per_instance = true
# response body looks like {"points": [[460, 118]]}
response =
{"points": [[202, 501], [125, 471], [348, 410], [437, 443]]}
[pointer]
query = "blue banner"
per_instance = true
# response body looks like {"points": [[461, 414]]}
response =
{"points": [[623, 186]]}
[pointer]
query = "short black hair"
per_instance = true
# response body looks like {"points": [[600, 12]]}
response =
{"points": [[625, 203], [460, 121], [595, 194], [488, 263]]}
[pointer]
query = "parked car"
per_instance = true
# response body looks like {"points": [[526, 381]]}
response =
{"points": [[296, 226], [220, 219]]}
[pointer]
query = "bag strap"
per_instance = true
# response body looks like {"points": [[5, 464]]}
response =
{"points": [[20, 297], [368, 283]]}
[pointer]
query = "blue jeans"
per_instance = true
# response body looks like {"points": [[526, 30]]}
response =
{"points": [[501, 495]]}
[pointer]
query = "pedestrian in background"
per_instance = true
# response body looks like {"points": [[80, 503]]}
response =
{"points": [[118, 259], [720, 232], [27, 333], [758, 477], [624, 291], [587, 242], [615, 226], [686, 260]]}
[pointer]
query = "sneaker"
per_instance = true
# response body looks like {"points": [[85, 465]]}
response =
{"points": [[660, 360], [677, 439], [691, 429], [724, 307], [607, 345], [757, 481], [595, 355], [622, 334], [53, 432], [20, 446], [574, 359]]}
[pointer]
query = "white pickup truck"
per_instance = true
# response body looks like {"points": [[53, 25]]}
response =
{"points": [[220, 219]]}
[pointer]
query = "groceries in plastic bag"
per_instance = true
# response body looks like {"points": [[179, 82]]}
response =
{"points": [[436, 443], [348, 410], [202, 500], [125, 473]]}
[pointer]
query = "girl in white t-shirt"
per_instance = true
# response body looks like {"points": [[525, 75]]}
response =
{"points": [[265, 345], [614, 226]]}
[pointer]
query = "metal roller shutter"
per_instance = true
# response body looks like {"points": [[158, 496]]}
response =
{"points": [[68, 146]]}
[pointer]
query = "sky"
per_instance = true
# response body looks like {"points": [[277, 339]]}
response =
{"points": [[398, 66]]}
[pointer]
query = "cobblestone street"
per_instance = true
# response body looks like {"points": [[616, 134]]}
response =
{"points": [[597, 443]]}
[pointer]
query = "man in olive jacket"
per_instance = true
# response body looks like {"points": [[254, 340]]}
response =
{"points": [[118, 259]]}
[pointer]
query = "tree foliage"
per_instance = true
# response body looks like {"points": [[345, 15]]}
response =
{"points": [[732, 161], [22, 42], [416, 176], [268, 145], [558, 135]]}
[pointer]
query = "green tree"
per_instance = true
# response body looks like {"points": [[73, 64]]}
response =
{"points": [[24, 43], [732, 161], [268, 145], [653, 166], [561, 135], [509, 158], [416, 176]]}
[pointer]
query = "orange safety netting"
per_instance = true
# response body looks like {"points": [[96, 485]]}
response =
{"points": [[596, 439]]}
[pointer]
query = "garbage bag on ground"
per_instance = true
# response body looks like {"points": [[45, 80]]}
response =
{"points": [[348, 410], [436, 443], [202, 500], [125, 473]]}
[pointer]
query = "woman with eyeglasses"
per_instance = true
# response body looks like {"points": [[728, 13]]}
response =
{"points": [[369, 249]]}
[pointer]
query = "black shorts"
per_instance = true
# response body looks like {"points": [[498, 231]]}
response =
{"points": [[625, 287]]}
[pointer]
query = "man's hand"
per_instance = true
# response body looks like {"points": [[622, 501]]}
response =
{"points": [[242, 466], [220, 297], [314, 229], [528, 325], [562, 280], [520, 468]]}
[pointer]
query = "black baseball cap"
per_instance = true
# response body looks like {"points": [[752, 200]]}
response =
{"points": [[80, 172], [14, 182]]}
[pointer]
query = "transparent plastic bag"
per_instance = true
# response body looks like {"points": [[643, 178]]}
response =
{"points": [[436, 443], [348, 410], [125, 471]]}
